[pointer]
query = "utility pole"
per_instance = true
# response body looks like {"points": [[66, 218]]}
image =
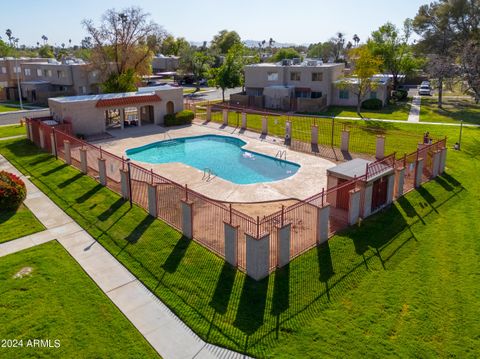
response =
{"points": [[17, 70]]}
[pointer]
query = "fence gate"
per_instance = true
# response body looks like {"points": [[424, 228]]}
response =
{"points": [[379, 193]]}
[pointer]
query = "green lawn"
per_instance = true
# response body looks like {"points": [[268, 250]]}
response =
{"points": [[405, 282], [14, 130], [396, 111], [453, 110], [58, 301], [16, 224], [7, 108]]}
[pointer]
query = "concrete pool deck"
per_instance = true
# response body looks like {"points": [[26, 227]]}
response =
{"points": [[309, 180]]}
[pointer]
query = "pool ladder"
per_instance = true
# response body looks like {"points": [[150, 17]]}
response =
{"points": [[208, 174], [281, 153]]}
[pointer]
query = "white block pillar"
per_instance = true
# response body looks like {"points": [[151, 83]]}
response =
{"points": [[28, 131], [443, 160], [288, 130], [314, 134], [323, 216], [83, 160], [400, 175], [258, 256], [124, 184], [102, 171], [436, 163], [68, 152], [264, 125], [187, 218], [367, 200], [390, 188], [225, 117], [122, 118], [152, 200], [42, 139], [209, 113], [244, 120], [353, 206], [380, 148], [284, 239], [231, 243], [53, 150], [419, 173], [345, 140]]}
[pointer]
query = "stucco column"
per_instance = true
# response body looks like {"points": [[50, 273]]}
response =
{"points": [[225, 117], [258, 256], [380, 148], [345, 140], [68, 152], [284, 235], [314, 134], [390, 188], [244, 121], [367, 200], [288, 130], [323, 217], [124, 185], [83, 160], [436, 163], [102, 171], [400, 175], [231, 243], [187, 218], [122, 118], [42, 139], [418, 173], [353, 206], [139, 116], [53, 150], [209, 113], [152, 200], [264, 125], [443, 160], [28, 131]]}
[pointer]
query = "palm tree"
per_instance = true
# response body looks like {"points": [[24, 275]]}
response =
{"points": [[356, 39], [70, 42], [45, 39], [38, 44], [9, 35]]}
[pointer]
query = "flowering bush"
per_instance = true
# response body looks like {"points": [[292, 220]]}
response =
{"points": [[12, 191]]}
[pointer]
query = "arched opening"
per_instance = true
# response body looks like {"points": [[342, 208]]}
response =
{"points": [[170, 108]]}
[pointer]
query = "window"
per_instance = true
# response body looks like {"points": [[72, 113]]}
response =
{"points": [[16, 69], [316, 94], [344, 94], [373, 94], [317, 76], [294, 76], [27, 72], [272, 76], [47, 73], [60, 74], [39, 72], [4, 70], [302, 93]]}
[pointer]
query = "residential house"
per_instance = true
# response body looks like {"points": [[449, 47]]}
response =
{"points": [[344, 90], [10, 75], [161, 63]]}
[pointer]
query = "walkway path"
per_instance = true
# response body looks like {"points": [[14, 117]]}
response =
{"points": [[170, 337], [414, 115]]}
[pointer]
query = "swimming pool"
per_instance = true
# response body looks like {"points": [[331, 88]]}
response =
{"points": [[222, 154]]}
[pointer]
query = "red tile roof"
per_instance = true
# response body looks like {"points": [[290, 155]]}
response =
{"points": [[129, 100]]}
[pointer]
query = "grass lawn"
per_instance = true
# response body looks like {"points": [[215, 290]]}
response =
{"points": [[7, 108], [58, 301], [405, 281], [16, 224], [397, 111], [454, 110], [14, 130]]}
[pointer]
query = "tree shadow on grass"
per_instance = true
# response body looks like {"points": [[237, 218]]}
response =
{"points": [[173, 261], [140, 229], [111, 210]]}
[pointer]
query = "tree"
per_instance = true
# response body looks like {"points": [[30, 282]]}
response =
{"points": [[470, 65], [197, 63], [229, 74], [125, 82], [127, 39], [356, 40], [45, 39], [365, 66], [338, 46], [225, 40], [392, 47], [10, 37], [171, 46], [285, 53], [86, 43], [46, 52], [5, 49]]}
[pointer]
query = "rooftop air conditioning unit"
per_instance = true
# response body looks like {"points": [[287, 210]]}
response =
{"points": [[286, 62], [297, 61], [312, 63]]}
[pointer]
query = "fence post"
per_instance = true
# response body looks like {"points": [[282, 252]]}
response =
{"points": [[102, 171], [345, 140], [258, 256], [443, 160], [244, 121], [418, 172], [353, 206], [124, 183], [314, 134], [152, 200], [187, 218], [436, 163], [42, 139], [209, 113], [380, 148], [288, 130], [367, 200], [53, 147], [323, 216], [284, 238], [390, 188], [333, 131], [225, 117], [28, 131], [400, 175], [231, 243], [83, 160], [68, 152], [264, 125]]}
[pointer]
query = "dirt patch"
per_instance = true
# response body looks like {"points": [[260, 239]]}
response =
{"points": [[24, 272]]}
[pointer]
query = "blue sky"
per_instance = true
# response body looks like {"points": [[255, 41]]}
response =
{"points": [[303, 21]]}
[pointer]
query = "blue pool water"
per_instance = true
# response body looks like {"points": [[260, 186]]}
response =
{"points": [[223, 155]]}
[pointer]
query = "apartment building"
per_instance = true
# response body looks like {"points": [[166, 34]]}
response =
{"points": [[161, 63], [290, 85], [51, 78], [9, 69]]}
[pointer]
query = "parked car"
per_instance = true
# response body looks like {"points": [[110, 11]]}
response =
{"points": [[425, 90], [425, 83]]}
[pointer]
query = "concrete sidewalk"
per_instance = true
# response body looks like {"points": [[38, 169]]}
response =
{"points": [[414, 115], [167, 334]]}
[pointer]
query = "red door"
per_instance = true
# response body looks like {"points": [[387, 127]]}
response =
{"points": [[343, 195], [379, 193]]}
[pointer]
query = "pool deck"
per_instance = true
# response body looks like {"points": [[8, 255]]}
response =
{"points": [[309, 180]]}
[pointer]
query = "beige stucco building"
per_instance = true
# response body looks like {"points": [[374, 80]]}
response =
{"points": [[163, 63], [96, 114], [9, 67]]}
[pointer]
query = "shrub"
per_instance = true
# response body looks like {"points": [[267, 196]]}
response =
{"points": [[184, 117], [372, 104], [12, 191], [400, 95]]}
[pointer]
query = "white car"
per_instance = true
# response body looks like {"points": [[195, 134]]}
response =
{"points": [[425, 90]]}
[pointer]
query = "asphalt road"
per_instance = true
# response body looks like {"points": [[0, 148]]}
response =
{"points": [[11, 118], [212, 93]]}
